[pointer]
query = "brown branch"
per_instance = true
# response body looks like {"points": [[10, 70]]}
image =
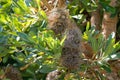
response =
{"points": [[47, 5], [96, 19], [109, 23], [61, 3]]}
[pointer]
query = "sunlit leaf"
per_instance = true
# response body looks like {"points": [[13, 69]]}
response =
{"points": [[0, 59]]}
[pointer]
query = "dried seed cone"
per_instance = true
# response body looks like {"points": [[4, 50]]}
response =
{"points": [[70, 58], [12, 73], [57, 20], [60, 22], [73, 38]]}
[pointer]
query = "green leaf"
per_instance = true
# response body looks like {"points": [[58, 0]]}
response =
{"points": [[114, 56], [85, 2], [1, 28], [5, 59], [100, 76], [46, 69], [94, 44], [25, 37], [85, 36], [62, 41], [3, 19], [116, 47], [17, 10], [106, 67], [3, 39], [78, 16], [43, 14], [109, 46], [88, 26], [20, 56], [6, 5], [23, 5], [107, 7], [100, 41], [3, 51]]}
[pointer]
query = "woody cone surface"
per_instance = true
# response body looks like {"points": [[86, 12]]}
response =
{"points": [[60, 22]]}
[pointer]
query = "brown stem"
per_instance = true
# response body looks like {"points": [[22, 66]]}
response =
{"points": [[109, 23], [61, 3], [96, 19], [47, 5]]}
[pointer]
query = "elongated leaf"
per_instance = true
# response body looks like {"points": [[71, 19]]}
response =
{"points": [[114, 56], [116, 47], [1, 28], [88, 26], [3, 39], [3, 51], [25, 37], [107, 7], [46, 69], [106, 67], [109, 46], [100, 76]]}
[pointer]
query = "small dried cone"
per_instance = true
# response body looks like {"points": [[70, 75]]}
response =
{"points": [[109, 23], [73, 38], [12, 73]]}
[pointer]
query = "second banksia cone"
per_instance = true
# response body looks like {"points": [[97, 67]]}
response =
{"points": [[70, 58], [12, 73]]}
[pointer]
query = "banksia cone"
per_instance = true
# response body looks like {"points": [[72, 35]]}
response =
{"points": [[73, 38], [70, 58], [12, 73], [60, 23], [57, 20]]}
